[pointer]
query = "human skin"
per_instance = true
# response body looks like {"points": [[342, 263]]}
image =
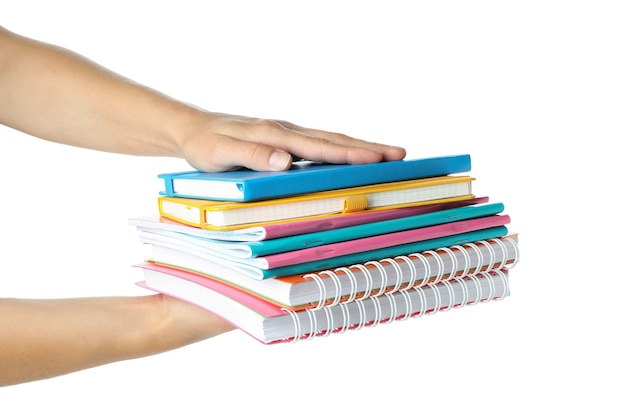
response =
{"points": [[55, 94]]}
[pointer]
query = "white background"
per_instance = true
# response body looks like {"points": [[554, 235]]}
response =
{"points": [[534, 91]]}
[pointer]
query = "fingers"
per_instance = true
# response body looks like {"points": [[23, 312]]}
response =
{"points": [[337, 140], [268, 145], [227, 153], [317, 145]]}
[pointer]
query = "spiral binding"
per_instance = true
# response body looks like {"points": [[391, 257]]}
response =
{"points": [[394, 307], [362, 317], [433, 274], [516, 249], [337, 283], [454, 259], [452, 303], [466, 259], [398, 272], [479, 254], [397, 311], [383, 273], [413, 274], [368, 277], [427, 269], [438, 302]]}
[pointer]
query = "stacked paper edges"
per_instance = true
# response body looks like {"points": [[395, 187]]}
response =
{"points": [[423, 247]]}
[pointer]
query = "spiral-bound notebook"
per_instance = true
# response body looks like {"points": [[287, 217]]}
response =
{"points": [[371, 278], [317, 263], [271, 324]]}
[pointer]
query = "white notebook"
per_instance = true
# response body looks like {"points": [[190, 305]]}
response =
{"points": [[390, 274], [270, 324]]}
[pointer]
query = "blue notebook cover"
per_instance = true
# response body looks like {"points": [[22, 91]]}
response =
{"points": [[304, 177]]}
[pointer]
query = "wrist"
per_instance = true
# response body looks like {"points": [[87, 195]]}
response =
{"points": [[179, 323], [186, 124]]}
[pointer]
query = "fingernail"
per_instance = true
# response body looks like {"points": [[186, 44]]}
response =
{"points": [[280, 160]]}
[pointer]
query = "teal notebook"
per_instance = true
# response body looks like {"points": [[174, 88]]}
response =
{"points": [[311, 240], [175, 256], [391, 251]]}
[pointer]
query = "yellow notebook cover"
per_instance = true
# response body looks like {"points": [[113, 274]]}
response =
{"points": [[219, 215]]}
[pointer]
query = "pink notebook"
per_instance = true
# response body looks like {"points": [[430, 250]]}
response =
{"points": [[379, 241], [273, 231], [270, 324]]}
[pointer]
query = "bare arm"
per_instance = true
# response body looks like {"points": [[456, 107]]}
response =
{"points": [[45, 338], [57, 95], [77, 102]]}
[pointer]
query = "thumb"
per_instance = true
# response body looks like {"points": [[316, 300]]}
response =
{"points": [[279, 160]]}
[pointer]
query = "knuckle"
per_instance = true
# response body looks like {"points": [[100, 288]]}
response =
{"points": [[253, 152], [267, 125]]}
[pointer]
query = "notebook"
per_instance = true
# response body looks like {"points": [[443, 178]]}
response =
{"points": [[223, 267], [321, 238], [337, 249], [156, 223], [224, 215], [371, 278], [304, 177], [271, 324]]}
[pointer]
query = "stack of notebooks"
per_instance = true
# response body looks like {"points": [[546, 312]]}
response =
{"points": [[321, 249]]}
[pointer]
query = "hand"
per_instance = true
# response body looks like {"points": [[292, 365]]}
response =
{"points": [[83, 104], [219, 142], [51, 337], [184, 323]]}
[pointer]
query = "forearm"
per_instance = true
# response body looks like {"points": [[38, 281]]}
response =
{"points": [[45, 338], [79, 103], [55, 94]]}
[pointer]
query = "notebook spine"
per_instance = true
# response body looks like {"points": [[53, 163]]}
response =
{"points": [[358, 281], [406, 303]]}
